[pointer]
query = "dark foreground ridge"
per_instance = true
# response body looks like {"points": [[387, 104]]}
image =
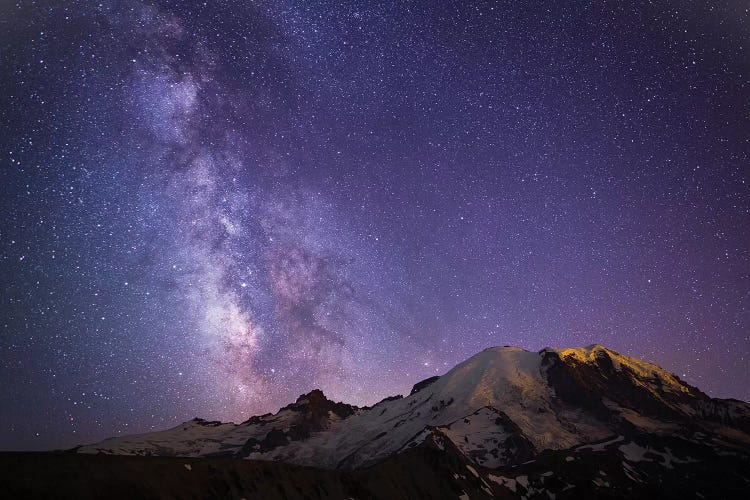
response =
{"points": [[667, 469]]}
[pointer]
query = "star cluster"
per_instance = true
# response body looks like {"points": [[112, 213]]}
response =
{"points": [[209, 208]]}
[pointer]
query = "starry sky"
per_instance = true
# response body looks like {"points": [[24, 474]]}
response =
{"points": [[209, 208]]}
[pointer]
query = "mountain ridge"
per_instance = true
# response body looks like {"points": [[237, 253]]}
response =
{"points": [[498, 407], [584, 422]]}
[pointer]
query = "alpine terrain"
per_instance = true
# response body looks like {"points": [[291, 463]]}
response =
{"points": [[506, 423]]}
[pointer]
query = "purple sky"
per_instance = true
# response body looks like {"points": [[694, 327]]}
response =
{"points": [[209, 210]]}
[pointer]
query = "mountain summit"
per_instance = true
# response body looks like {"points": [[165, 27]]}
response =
{"points": [[503, 408]]}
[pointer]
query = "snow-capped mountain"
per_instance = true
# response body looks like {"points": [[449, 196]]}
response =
{"points": [[312, 413], [502, 407]]}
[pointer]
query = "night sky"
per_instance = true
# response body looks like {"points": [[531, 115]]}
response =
{"points": [[209, 208]]}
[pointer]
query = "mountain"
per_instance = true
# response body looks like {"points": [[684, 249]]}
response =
{"points": [[505, 423], [311, 414]]}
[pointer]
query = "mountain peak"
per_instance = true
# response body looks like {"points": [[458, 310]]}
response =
{"points": [[505, 348], [314, 395], [317, 405], [602, 355]]}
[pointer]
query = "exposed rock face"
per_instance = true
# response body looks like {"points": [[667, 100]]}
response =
{"points": [[421, 385], [311, 413], [317, 406], [605, 382]]}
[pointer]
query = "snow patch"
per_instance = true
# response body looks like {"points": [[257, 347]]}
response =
{"points": [[601, 446], [633, 453], [504, 481]]}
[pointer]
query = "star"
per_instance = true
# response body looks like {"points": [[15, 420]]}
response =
{"points": [[317, 195]]}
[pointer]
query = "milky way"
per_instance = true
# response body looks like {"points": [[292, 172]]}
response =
{"points": [[209, 209]]}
